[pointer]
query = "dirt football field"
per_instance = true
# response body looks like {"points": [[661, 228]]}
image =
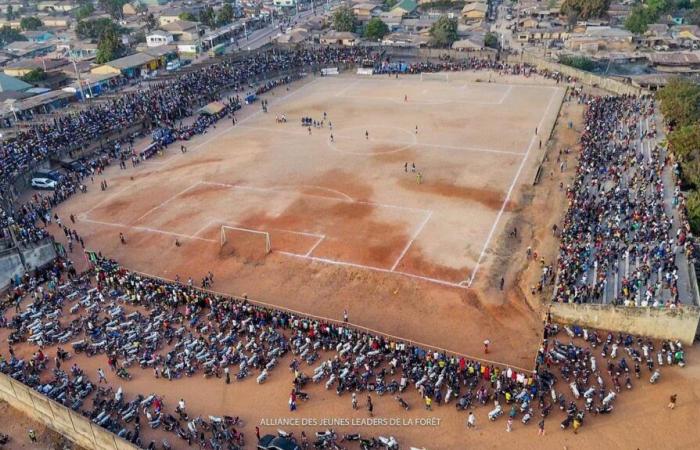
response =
{"points": [[400, 196]]}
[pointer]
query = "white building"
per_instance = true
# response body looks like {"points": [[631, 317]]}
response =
{"points": [[158, 38], [284, 3]]}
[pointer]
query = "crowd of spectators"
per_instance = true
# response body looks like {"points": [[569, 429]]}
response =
{"points": [[618, 240]]}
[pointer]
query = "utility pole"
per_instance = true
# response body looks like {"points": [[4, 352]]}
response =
{"points": [[80, 83]]}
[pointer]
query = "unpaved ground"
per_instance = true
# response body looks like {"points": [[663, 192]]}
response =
{"points": [[17, 426], [350, 228], [455, 318]]}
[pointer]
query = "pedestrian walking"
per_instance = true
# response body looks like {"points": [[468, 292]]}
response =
{"points": [[471, 420], [428, 403], [122, 238], [257, 433], [345, 315], [405, 167], [509, 424], [503, 282], [101, 375], [370, 406], [354, 401], [32, 435], [540, 428], [227, 372], [672, 403], [486, 346], [181, 406], [293, 401]]}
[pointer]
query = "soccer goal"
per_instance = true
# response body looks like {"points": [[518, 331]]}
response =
{"points": [[436, 76], [245, 238]]}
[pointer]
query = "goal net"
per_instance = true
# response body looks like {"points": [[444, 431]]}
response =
{"points": [[244, 242], [437, 76]]}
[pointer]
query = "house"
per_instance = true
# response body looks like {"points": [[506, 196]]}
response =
{"points": [[465, 45], [56, 21], [474, 12], [12, 84], [294, 36], [365, 11], [528, 22], [92, 85], [55, 6], [183, 30], [405, 7], [339, 38], [158, 38], [675, 62], [27, 49], [38, 35], [405, 40], [5, 7], [129, 9], [171, 15], [82, 50], [21, 67], [188, 49], [601, 38], [131, 66]]}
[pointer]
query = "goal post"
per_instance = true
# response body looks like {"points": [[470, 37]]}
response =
{"points": [[227, 233], [434, 76]]}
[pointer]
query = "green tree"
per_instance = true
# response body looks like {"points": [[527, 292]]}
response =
{"points": [[93, 29], [9, 35], [187, 16], [680, 102], [141, 8], [113, 7], [693, 206], [491, 40], [225, 15], [10, 12], [376, 29], [151, 22], [388, 4], [344, 19], [84, 11], [444, 32], [109, 47], [34, 76], [30, 23], [208, 17], [585, 9], [685, 144], [639, 19], [578, 62]]}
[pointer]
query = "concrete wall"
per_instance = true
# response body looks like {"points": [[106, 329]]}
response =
{"points": [[680, 323], [584, 77], [59, 418], [10, 266], [39, 256]]}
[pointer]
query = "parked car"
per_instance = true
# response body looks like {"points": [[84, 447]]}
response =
{"points": [[54, 175], [271, 442], [44, 183]]}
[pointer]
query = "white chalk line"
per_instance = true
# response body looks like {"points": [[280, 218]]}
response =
{"points": [[413, 238], [311, 250], [263, 189], [510, 191], [147, 229], [335, 262], [346, 88], [165, 202]]}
